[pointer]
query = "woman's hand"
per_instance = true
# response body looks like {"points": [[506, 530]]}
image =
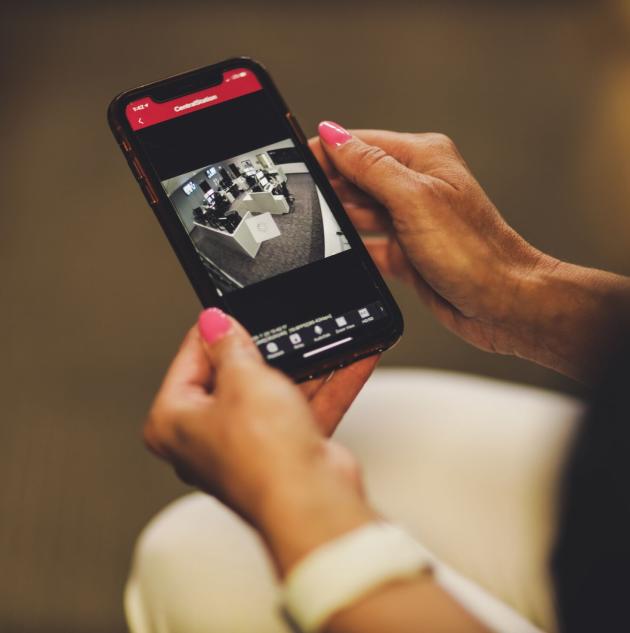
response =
{"points": [[242, 431], [440, 232]]}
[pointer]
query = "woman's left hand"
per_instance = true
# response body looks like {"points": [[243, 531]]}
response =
{"points": [[242, 431]]}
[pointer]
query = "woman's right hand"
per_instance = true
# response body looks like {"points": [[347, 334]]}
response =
{"points": [[440, 232]]}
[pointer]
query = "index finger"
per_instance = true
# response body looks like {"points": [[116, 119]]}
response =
{"points": [[416, 150], [396, 144], [186, 383], [190, 370]]}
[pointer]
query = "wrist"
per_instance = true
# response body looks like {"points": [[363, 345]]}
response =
{"points": [[564, 316], [529, 314], [307, 507]]}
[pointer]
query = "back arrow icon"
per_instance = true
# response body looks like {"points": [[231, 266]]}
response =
{"points": [[140, 121]]}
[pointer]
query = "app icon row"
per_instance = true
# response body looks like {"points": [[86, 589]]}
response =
{"points": [[308, 335]]}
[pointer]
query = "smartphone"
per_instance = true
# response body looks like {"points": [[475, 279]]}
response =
{"points": [[252, 218]]}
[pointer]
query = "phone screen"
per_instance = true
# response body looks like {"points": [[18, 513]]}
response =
{"points": [[276, 246]]}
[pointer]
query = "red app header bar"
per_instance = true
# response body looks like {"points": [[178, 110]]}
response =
{"points": [[236, 83]]}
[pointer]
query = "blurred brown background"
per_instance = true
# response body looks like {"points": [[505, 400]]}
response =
{"points": [[536, 94]]}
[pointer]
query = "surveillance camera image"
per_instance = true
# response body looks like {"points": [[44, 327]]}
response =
{"points": [[255, 216]]}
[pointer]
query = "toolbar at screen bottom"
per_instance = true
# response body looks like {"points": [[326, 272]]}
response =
{"points": [[316, 335]]}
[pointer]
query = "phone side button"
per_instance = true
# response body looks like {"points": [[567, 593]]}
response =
{"points": [[149, 193], [137, 169]]}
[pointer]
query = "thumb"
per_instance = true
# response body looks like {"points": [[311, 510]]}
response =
{"points": [[228, 345], [369, 167]]}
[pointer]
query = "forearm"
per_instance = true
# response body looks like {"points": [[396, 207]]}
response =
{"points": [[565, 316], [308, 511], [406, 607]]}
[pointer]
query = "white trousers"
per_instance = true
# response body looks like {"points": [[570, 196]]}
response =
{"points": [[469, 465]]}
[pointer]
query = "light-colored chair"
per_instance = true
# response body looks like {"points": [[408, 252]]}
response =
{"points": [[468, 465]]}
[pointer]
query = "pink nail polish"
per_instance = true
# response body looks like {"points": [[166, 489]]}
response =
{"points": [[214, 324], [333, 134]]}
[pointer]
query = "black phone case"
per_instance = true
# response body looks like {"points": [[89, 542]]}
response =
{"points": [[140, 166]]}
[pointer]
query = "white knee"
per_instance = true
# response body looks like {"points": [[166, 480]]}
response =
{"points": [[198, 568]]}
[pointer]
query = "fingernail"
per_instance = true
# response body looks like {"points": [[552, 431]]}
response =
{"points": [[333, 134], [214, 324]]}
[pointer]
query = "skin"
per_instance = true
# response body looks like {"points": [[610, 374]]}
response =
{"points": [[440, 233], [242, 431]]}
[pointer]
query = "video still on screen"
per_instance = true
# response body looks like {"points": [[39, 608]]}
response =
{"points": [[255, 216]]}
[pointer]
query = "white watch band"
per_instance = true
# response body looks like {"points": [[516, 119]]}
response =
{"points": [[339, 572]]}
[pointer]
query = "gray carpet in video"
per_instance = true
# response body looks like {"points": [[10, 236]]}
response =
{"points": [[301, 240]]}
